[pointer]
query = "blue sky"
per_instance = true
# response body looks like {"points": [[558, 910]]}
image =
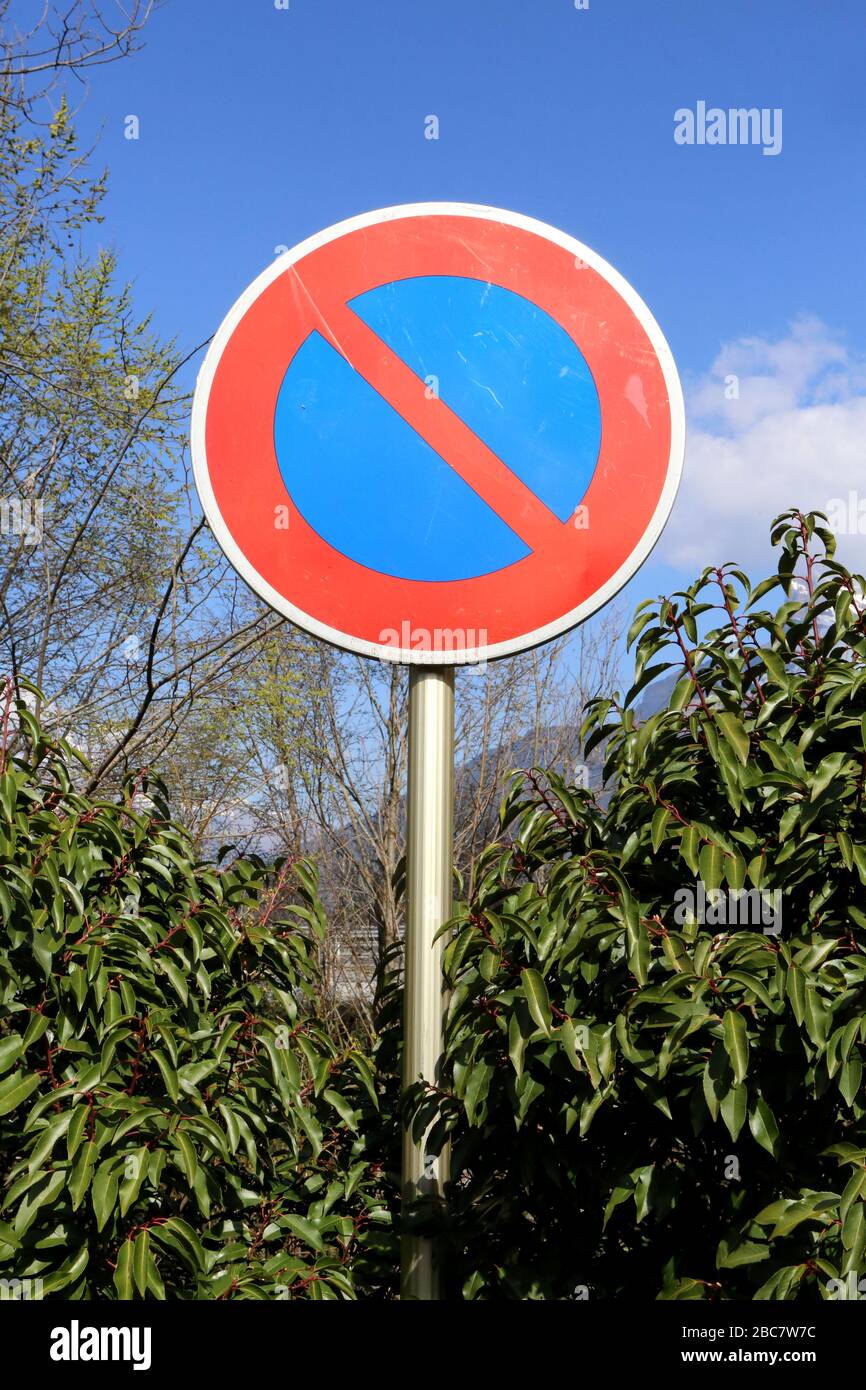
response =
{"points": [[259, 126]]}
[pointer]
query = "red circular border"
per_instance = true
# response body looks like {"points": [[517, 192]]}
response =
{"points": [[526, 596]]}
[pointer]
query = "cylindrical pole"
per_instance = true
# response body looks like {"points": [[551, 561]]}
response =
{"points": [[429, 858]]}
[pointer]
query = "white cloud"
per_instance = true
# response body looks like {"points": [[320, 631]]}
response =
{"points": [[794, 435]]}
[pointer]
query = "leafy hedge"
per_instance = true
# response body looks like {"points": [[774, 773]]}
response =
{"points": [[642, 1104], [173, 1120]]}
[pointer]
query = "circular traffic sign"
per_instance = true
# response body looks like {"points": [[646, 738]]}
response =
{"points": [[438, 433]]}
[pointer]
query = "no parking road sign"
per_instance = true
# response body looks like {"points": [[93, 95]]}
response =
{"points": [[438, 433]]}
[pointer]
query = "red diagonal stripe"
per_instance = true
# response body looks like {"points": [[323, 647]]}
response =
{"points": [[437, 425]]}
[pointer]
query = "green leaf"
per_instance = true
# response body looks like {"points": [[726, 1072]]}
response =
{"points": [[639, 953], [762, 1123], [684, 1290], [850, 1077], [311, 1128], [643, 1186], [588, 1111], [816, 1016], [342, 1107], [749, 1252], [736, 1044], [809, 1209], [796, 991], [232, 1128], [855, 1188], [476, 1091], [103, 1192], [48, 1137], [42, 1193], [154, 1281], [681, 694], [169, 1075], [516, 1043], [711, 1098], [735, 868], [188, 1161], [712, 866], [617, 1197], [774, 664], [659, 822], [780, 1284], [846, 849], [733, 1109], [16, 1094], [8, 1236], [123, 1274], [82, 1172], [535, 992], [175, 975], [179, 1238], [134, 1170], [854, 1235], [305, 1231], [10, 1051], [734, 730], [75, 1133], [689, 845], [574, 1047], [71, 1270], [140, 1253], [754, 985]]}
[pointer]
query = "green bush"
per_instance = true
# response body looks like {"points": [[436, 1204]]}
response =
{"points": [[173, 1120], [642, 1104]]}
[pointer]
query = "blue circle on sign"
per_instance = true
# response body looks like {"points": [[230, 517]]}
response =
{"points": [[371, 487]]}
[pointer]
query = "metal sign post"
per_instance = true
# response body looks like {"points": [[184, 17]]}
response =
{"points": [[429, 858]]}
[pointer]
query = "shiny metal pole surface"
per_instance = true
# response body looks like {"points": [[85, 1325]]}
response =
{"points": [[429, 860]]}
